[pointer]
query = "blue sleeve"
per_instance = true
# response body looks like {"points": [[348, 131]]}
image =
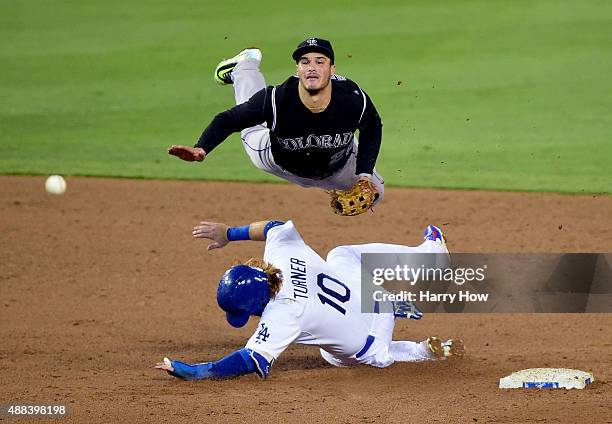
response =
{"points": [[241, 362], [271, 225]]}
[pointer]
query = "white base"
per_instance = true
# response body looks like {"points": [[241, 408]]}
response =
{"points": [[547, 378]]}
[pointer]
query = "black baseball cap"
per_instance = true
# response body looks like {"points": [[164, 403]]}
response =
{"points": [[313, 44]]}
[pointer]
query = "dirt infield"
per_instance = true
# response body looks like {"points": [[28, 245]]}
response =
{"points": [[100, 283]]}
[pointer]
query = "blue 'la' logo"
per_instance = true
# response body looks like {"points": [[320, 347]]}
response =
{"points": [[263, 334]]}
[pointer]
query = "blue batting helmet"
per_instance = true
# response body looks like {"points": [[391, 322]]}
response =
{"points": [[243, 291]]}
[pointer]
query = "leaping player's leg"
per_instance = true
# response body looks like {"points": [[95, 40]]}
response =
{"points": [[248, 80], [246, 76], [243, 72]]}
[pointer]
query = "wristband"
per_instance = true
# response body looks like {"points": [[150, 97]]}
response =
{"points": [[238, 233]]}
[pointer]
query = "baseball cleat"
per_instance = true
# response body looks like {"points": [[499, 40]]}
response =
{"points": [[453, 348], [223, 71], [434, 233], [449, 348], [434, 345], [406, 309]]}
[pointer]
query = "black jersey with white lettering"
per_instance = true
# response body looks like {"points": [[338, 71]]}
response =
{"points": [[307, 144]]}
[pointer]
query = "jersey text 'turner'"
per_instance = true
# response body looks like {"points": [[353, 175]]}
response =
{"points": [[298, 278]]}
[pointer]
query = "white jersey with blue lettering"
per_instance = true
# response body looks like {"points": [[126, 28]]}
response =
{"points": [[315, 305], [319, 302]]}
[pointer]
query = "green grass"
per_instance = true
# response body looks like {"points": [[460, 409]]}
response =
{"points": [[511, 95]]}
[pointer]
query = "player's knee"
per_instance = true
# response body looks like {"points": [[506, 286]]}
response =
{"points": [[331, 359]]}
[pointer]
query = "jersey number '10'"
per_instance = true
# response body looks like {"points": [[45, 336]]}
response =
{"points": [[332, 282]]}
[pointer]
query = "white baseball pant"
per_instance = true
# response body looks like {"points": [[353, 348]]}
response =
{"points": [[384, 351]]}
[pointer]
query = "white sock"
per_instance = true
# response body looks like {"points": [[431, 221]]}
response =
{"points": [[405, 351]]}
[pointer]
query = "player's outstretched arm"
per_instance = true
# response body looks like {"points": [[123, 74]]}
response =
{"points": [[244, 115], [187, 153], [240, 362], [221, 234]]}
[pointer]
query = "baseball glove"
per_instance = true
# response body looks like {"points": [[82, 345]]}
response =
{"points": [[356, 200]]}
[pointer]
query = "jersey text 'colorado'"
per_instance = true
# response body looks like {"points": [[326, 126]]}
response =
{"points": [[304, 143]]}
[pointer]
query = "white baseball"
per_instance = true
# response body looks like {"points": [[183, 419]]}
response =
{"points": [[55, 184]]}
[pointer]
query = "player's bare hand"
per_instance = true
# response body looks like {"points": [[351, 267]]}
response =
{"points": [[187, 153], [214, 231], [166, 365]]}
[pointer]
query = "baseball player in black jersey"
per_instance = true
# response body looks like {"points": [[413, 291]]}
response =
{"points": [[302, 130]]}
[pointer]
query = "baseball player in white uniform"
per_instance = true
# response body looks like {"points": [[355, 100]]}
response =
{"points": [[302, 298]]}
